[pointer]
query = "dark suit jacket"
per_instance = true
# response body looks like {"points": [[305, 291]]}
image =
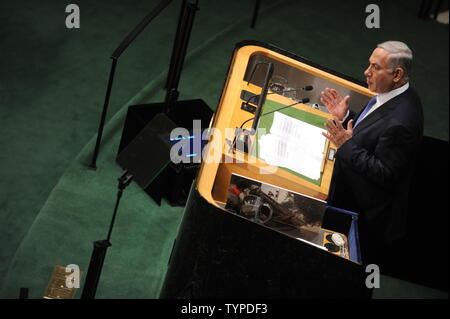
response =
{"points": [[373, 169]]}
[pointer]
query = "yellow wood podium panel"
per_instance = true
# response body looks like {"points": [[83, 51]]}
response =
{"points": [[221, 160]]}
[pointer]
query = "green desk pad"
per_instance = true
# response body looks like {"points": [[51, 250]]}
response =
{"points": [[266, 121]]}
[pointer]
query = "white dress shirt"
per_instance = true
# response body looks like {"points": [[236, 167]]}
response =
{"points": [[382, 98]]}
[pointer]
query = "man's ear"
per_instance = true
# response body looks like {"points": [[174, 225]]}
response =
{"points": [[398, 74]]}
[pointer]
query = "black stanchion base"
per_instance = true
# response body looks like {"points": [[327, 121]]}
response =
{"points": [[161, 178], [23, 293], [95, 268]]}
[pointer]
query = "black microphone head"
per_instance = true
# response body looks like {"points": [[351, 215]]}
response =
{"points": [[305, 100], [308, 88]]}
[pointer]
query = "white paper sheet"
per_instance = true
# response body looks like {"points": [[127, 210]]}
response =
{"points": [[293, 144]]}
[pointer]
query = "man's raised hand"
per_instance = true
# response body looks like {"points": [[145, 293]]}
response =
{"points": [[334, 103]]}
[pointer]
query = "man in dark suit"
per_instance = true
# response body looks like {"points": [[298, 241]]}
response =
{"points": [[376, 149]]}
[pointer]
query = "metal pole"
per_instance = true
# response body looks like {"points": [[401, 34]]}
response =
{"points": [[93, 164], [255, 13], [101, 246], [115, 56], [183, 33]]}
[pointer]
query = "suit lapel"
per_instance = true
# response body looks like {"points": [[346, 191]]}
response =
{"points": [[368, 121], [373, 117], [379, 113]]}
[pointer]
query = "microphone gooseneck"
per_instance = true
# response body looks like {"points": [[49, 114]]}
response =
{"points": [[305, 100], [305, 88]]}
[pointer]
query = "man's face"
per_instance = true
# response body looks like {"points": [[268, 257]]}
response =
{"points": [[379, 75]]}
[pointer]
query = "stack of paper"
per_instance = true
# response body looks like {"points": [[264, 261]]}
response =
{"points": [[294, 144]]}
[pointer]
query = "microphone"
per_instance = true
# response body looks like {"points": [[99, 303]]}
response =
{"points": [[305, 88], [305, 100]]}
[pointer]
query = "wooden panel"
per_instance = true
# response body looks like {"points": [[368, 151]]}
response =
{"points": [[214, 176]]}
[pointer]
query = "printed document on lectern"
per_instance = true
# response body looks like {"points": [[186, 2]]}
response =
{"points": [[293, 144]]}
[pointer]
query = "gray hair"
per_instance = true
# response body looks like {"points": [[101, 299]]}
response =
{"points": [[399, 56]]}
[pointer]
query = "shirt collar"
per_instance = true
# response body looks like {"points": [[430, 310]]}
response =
{"points": [[384, 97]]}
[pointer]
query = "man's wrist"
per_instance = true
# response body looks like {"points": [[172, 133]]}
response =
{"points": [[345, 117]]}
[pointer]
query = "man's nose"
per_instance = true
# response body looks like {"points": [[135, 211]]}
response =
{"points": [[367, 72]]}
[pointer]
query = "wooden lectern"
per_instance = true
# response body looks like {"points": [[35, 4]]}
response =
{"points": [[219, 253]]}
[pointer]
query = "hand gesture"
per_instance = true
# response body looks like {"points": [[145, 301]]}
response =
{"points": [[337, 134], [334, 103]]}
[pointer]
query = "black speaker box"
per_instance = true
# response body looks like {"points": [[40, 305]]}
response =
{"points": [[144, 149], [149, 152]]}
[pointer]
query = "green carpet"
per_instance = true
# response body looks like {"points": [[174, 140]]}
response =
{"points": [[52, 84]]}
